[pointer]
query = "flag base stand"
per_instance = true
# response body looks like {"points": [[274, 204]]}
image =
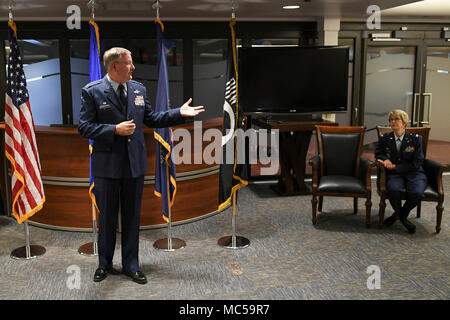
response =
{"points": [[89, 249], [175, 244], [28, 251], [169, 243], [22, 253], [238, 243], [233, 241]]}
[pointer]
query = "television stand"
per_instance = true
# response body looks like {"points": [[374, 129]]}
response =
{"points": [[293, 147]]}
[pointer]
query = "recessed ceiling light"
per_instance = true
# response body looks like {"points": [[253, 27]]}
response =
{"points": [[291, 7]]}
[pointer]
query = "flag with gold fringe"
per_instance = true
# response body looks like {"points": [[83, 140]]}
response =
{"points": [[165, 175], [233, 176], [27, 190], [95, 73]]}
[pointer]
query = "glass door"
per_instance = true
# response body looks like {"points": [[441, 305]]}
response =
{"points": [[412, 75], [435, 106], [391, 81]]}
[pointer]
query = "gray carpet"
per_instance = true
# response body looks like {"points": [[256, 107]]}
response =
{"points": [[288, 258]]}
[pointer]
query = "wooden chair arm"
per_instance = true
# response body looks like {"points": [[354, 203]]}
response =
{"points": [[381, 177], [314, 162]]}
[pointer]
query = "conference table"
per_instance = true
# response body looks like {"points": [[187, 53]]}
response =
{"points": [[295, 137]]}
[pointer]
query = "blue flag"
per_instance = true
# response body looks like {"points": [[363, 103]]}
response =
{"points": [[95, 73], [165, 176]]}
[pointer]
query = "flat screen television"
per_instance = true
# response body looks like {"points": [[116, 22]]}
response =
{"points": [[293, 80]]}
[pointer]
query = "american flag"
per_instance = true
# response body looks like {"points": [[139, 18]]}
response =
{"points": [[20, 142]]}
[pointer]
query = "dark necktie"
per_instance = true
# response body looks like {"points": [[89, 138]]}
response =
{"points": [[122, 96], [398, 144]]}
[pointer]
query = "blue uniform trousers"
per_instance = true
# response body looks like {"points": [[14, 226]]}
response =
{"points": [[413, 185], [110, 193]]}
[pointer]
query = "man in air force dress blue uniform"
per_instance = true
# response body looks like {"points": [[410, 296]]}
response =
{"points": [[113, 111]]}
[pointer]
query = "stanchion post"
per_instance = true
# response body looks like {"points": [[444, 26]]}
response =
{"points": [[91, 248], [28, 251], [233, 241], [94, 227], [169, 244]]}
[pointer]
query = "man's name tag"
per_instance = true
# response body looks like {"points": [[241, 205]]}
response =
{"points": [[139, 101], [104, 106]]}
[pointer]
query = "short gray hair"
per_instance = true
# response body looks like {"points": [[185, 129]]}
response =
{"points": [[402, 114], [112, 55]]}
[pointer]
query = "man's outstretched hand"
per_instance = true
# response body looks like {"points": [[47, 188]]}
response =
{"points": [[188, 111]]}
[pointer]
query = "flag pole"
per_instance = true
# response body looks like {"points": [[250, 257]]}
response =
{"points": [[169, 244], [94, 228], [233, 222], [233, 241], [91, 248], [28, 251], [169, 226]]}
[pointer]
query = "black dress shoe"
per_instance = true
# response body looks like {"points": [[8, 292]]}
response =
{"points": [[137, 276], [100, 274], [390, 221], [408, 225]]}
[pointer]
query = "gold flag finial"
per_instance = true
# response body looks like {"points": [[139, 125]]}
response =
{"points": [[11, 5], [91, 4], [233, 10], [156, 5]]}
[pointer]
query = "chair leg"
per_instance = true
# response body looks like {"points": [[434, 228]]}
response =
{"points": [[418, 209], [314, 209], [320, 203], [355, 205], [368, 210], [439, 210], [381, 212]]}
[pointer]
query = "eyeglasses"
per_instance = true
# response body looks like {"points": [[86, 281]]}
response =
{"points": [[395, 119]]}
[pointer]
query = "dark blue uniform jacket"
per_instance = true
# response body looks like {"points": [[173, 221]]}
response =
{"points": [[410, 158], [101, 111]]}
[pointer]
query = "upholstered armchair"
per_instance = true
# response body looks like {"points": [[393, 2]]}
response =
{"points": [[433, 170], [339, 170]]}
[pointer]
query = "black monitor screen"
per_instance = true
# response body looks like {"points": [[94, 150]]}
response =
{"points": [[293, 79]]}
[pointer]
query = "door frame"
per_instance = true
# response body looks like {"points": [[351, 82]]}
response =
{"points": [[417, 109], [356, 86], [419, 46], [427, 43]]}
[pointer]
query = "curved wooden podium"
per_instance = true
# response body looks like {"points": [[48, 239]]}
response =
{"points": [[64, 157]]}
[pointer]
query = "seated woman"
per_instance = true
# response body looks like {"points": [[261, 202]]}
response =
{"points": [[400, 152]]}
